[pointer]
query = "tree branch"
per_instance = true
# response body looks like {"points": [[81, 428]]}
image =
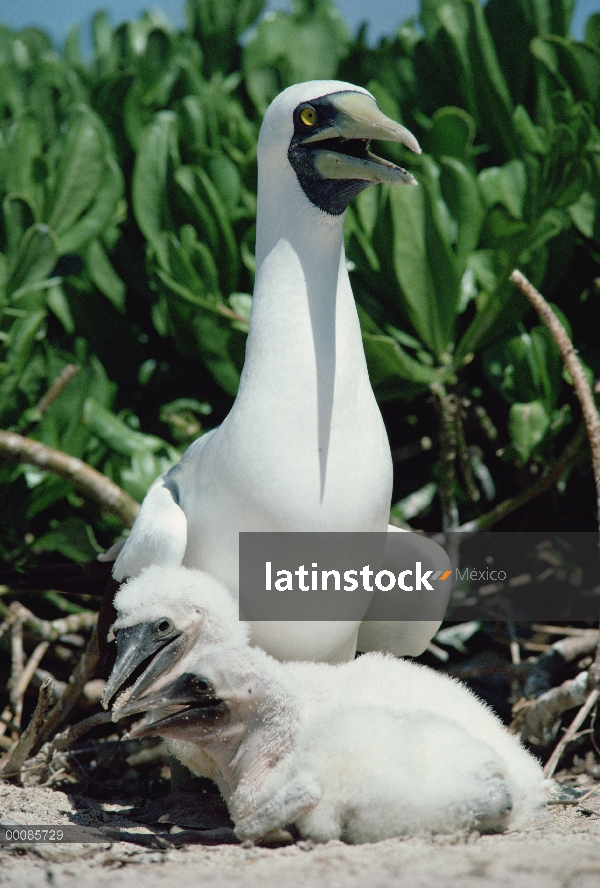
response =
{"points": [[573, 365], [484, 522], [91, 483]]}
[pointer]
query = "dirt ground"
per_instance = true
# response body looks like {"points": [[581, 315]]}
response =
{"points": [[561, 852]]}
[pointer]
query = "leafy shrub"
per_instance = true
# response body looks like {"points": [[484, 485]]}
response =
{"points": [[127, 233]]}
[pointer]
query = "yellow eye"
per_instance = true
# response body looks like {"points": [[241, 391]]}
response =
{"points": [[308, 116]]}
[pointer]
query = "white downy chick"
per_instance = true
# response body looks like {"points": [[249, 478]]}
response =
{"points": [[315, 745], [162, 615]]}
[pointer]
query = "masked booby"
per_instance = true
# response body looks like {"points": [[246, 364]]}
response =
{"points": [[304, 447], [358, 766]]}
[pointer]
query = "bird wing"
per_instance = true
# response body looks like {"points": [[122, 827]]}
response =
{"points": [[159, 533], [406, 638], [158, 536]]}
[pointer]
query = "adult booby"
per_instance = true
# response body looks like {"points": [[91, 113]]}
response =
{"points": [[304, 447], [360, 766]]}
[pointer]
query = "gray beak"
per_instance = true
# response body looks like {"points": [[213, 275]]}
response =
{"points": [[135, 644], [193, 695]]}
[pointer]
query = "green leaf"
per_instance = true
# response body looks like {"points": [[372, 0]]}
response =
{"points": [[104, 275], [35, 259], [415, 503], [592, 29], [144, 469], [59, 306], [101, 212], [79, 172], [16, 354], [229, 264], [458, 61], [226, 178], [572, 65], [158, 146], [451, 134], [217, 343], [534, 138], [584, 213], [505, 185], [461, 194], [309, 44], [24, 149], [527, 425], [388, 363], [424, 263], [19, 215], [116, 433], [72, 538]]}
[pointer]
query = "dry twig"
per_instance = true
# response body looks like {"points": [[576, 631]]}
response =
{"points": [[573, 365], [545, 482], [49, 630], [21, 751], [67, 738], [72, 693], [447, 409], [570, 733], [539, 719], [58, 386]]}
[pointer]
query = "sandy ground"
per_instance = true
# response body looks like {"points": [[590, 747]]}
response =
{"points": [[563, 852]]}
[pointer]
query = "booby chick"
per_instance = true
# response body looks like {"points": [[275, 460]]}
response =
{"points": [[163, 614], [304, 447], [360, 772], [199, 611]]}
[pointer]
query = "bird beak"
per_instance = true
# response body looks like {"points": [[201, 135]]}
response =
{"points": [[357, 120], [194, 705], [135, 644]]}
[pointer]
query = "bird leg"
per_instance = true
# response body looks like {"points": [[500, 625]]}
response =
{"points": [[282, 808]]}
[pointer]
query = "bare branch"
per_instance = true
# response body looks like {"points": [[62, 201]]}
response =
{"points": [[573, 365], [66, 738], [447, 409], [49, 630], [21, 751], [59, 384], [72, 693], [87, 480], [27, 674], [545, 482], [570, 733]]}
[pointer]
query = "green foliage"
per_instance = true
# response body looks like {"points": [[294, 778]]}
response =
{"points": [[128, 201]]}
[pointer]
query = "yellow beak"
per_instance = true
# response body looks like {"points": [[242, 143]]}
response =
{"points": [[359, 119]]}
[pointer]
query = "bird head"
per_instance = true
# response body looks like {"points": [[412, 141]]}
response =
{"points": [[325, 129], [162, 615], [226, 685]]}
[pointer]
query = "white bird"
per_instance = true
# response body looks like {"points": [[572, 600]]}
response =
{"points": [[168, 616], [304, 447], [163, 615], [360, 771]]}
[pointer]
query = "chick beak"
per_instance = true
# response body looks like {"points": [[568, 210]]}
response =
{"points": [[135, 644], [191, 703], [358, 120]]}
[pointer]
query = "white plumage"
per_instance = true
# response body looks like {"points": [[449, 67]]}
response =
{"points": [[182, 610], [360, 751], [304, 447]]}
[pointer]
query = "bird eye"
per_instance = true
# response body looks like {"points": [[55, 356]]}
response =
{"points": [[202, 684], [163, 626], [308, 116]]}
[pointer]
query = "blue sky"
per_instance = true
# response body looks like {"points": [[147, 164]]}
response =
{"points": [[57, 16]]}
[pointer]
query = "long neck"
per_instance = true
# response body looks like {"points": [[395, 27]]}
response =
{"points": [[304, 352], [250, 748]]}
